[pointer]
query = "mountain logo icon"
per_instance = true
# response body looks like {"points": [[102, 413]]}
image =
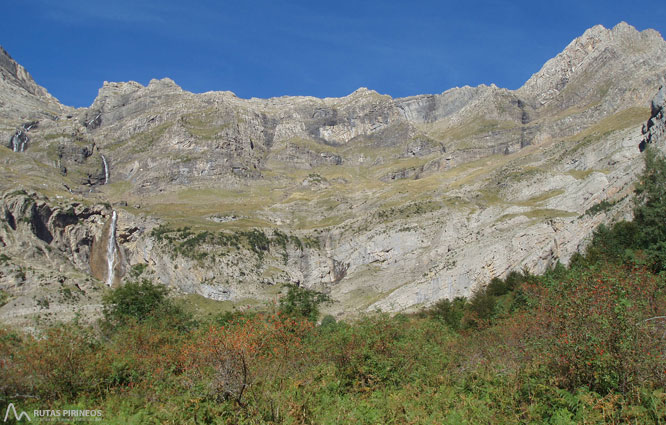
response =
{"points": [[18, 417]]}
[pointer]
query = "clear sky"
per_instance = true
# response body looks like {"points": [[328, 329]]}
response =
{"points": [[267, 48]]}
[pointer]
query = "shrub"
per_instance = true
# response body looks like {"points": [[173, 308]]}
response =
{"points": [[258, 241], [497, 287], [302, 302], [612, 243], [56, 365], [327, 321], [593, 328], [602, 206], [449, 312], [481, 310], [223, 362], [137, 270], [159, 232], [141, 301], [382, 351]]}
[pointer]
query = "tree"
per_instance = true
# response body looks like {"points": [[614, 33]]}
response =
{"points": [[650, 209], [449, 312], [301, 302], [141, 301], [642, 240]]}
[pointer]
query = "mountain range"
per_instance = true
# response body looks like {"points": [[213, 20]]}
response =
{"points": [[383, 203]]}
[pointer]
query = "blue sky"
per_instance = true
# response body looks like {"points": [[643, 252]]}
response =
{"points": [[274, 48]]}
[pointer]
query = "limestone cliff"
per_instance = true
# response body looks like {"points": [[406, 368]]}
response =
{"points": [[383, 203]]}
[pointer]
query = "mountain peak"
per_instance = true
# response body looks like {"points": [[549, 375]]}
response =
{"points": [[599, 54], [164, 83], [362, 91], [17, 75]]}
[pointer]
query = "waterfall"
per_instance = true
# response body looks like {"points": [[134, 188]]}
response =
{"points": [[89, 123], [17, 144], [106, 170], [18, 141], [111, 250]]}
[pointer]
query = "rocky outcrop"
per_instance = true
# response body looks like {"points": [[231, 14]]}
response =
{"points": [[597, 65], [49, 250], [655, 128], [69, 228], [20, 96], [10, 70]]}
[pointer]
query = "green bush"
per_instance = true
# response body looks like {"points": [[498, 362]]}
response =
{"points": [[302, 302], [497, 287], [482, 308], [258, 241], [613, 243], [327, 321], [139, 302], [137, 270], [449, 312]]}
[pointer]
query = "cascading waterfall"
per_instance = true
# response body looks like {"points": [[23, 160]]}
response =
{"points": [[106, 170], [14, 143], [93, 120], [20, 138], [111, 250], [18, 143]]}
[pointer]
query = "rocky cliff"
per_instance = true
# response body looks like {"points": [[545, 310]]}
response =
{"points": [[383, 203], [654, 130]]}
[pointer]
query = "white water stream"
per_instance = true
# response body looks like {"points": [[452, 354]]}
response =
{"points": [[106, 170], [111, 250]]}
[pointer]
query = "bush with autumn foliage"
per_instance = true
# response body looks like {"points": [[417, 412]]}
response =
{"points": [[600, 327]]}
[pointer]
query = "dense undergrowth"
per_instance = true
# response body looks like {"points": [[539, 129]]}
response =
{"points": [[578, 344]]}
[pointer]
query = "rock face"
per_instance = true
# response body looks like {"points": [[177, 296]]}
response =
{"points": [[46, 249], [384, 203], [655, 129]]}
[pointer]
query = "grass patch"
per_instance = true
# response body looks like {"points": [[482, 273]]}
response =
{"points": [[202, 307], [536, 200], [407, 211], [140, 142], [539, 214], [205, 124], [474, 127], [624, 119], [581, 174]]}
